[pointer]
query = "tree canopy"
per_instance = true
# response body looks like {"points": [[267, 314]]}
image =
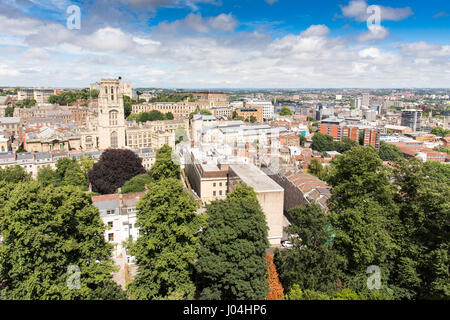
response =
{"points": [[47, 234], [167, 246], [312, 263], [115, 167], [165, 166], [231, 263], [137, 183], [285, 111], [389, 152]]}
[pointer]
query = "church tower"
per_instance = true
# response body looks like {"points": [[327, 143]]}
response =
{"points": [[111, 118]]}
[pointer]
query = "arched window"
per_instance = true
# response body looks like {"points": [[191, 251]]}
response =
{"points": [[114, 140], [113, 116]]}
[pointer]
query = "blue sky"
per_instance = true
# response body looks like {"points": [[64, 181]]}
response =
{"points": [[226, 43]]}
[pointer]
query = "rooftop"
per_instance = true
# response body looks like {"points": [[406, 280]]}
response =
{"points": [[255, 178]]}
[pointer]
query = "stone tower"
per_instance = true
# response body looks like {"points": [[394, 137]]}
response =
{"points": [[111, 118]]}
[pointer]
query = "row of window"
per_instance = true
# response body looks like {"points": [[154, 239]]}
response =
{"points": [[220, 184], [220, 193]]}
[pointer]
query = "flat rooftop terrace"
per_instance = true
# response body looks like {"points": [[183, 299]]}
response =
{"points": [[255, 178]]}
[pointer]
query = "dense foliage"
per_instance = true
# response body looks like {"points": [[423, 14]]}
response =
{"points": [[324, 142], [231, 263], [167, 246], [46, 232], [389, 152], [153, 115], [165, 165], [137, 183], [394, 218], [67, 98], [115, 167], [441, 132], [285, 111]]}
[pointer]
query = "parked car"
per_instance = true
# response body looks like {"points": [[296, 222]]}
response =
{"points": [[287, 244]]}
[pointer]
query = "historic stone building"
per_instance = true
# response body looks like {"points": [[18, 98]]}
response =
{"points": [[111, 118], [106, 126]]}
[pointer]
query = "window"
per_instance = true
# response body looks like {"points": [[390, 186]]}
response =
{"points": [[220, 184], [214, 184], [114, 140], [110, 224], [110, 236], [110, 211], [220, 192], [214, 193], [113, 116]]}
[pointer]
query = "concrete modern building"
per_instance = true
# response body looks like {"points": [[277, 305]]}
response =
{"points": [[213, 178], [412, 118], [270, 196], [268, 108]]}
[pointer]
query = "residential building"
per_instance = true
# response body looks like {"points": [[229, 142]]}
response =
{"points": [[250, 111], [118, 213]]}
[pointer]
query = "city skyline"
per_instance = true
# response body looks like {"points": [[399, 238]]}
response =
{"points": [[226, 44]]}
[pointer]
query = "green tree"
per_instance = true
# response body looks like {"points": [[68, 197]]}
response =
{"points": [[347, 294], [344, 145], [25, 103], [322, 142], [127, 105], [14, 174], [21, 149], [356, 175], [206, 112], [422, 267], [439, 131], [285, 111], [302, 140], [46, 232], [169, 116], [47, 176], [9, 111], [363, 213], [167, 246], [231, 263], [298, 294], [390, 152], [315, 167], [137, 183], [71, 173], [312, 263], [164, 166]]}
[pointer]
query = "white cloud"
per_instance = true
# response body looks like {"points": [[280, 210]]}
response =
{"points": [[375, 33], [208, 57], [357, 9], [197, 23], [318, 30], [425, 50]]}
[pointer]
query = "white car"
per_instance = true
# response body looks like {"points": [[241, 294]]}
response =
{"points": [[287, 244]]}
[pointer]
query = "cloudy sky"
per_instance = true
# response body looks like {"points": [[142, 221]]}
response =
{"points": [[227, 43]]}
